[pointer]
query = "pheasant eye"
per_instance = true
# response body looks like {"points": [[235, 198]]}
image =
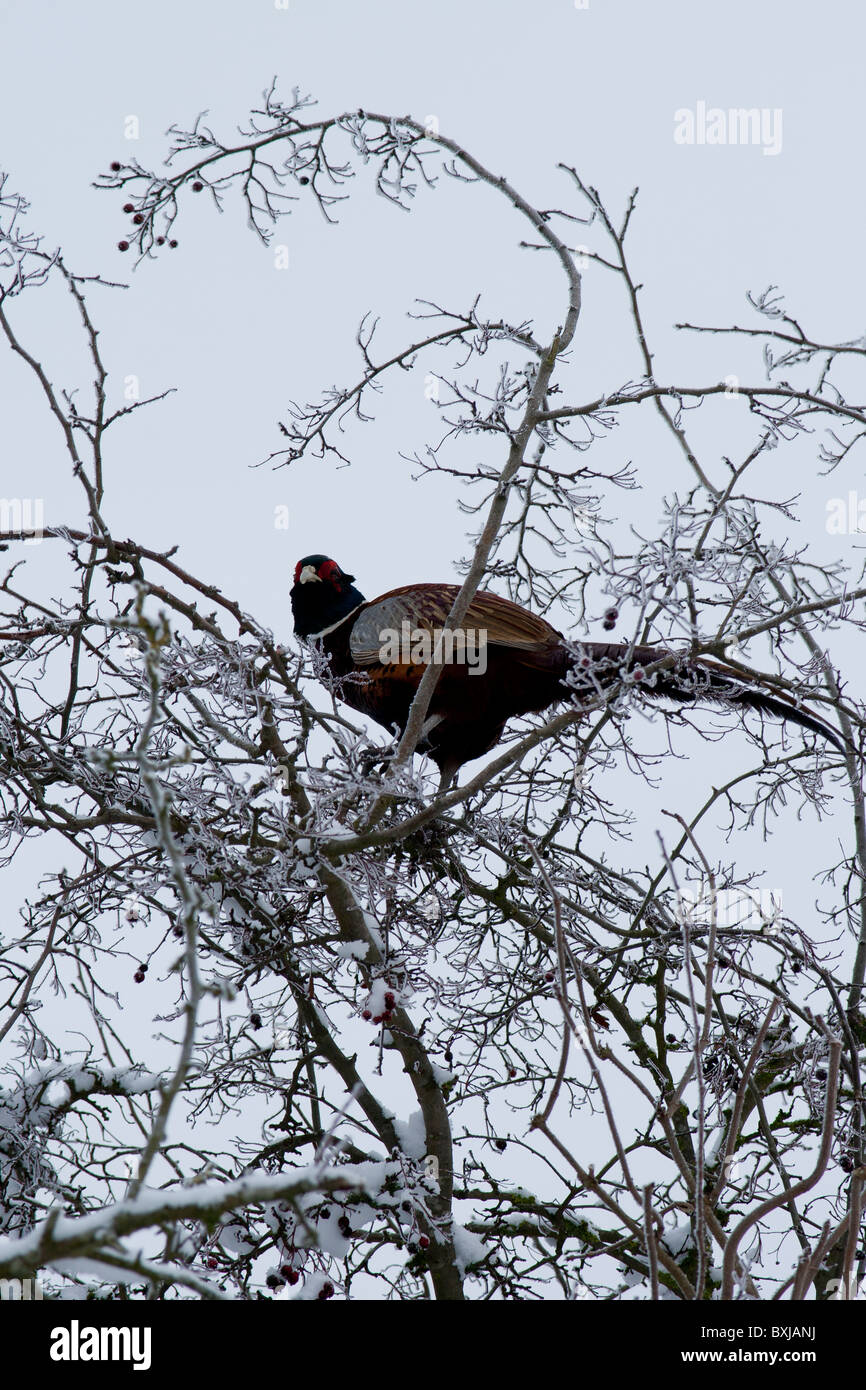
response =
{"points": [[330, 570]]}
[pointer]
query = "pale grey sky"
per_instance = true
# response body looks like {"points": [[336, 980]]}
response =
{"points": [[523, 86]]}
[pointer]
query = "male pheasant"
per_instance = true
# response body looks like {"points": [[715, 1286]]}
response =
{"points": [[509, 662]]}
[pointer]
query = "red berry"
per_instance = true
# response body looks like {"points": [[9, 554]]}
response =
{"points": [[116, 166], [139, 977], [366, 1014], [160, 241], [211, 1262], [424, 1241], [326, 1291], [129, 207], [256, 1020], [138, 219], [172, 244], [292, 1276], [638, 673], [389, 1001], [123, 246], [197, 187], [512, 1071], [387, 1016], [303, 179], [549, 975]]}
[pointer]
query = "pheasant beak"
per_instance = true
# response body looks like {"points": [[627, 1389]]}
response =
{"points": [[307, 575]]}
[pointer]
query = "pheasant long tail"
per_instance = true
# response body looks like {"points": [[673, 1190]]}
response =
{"points": [[692, 682]]}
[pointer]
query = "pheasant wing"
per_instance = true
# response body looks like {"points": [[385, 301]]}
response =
{"points": [[422, 608]]}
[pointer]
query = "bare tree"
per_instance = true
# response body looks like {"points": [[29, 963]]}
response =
{"points": [[418, 1045]]}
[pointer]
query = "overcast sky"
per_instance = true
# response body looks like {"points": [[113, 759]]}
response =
{"points": [[524, 86]]}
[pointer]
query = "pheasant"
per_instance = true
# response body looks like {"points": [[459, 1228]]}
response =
{"points": [[504, 661]]}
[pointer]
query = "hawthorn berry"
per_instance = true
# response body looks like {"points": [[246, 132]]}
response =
{"points": [[211, 1262], [256, 1020], [116, 166], [160, 241], [326, 1291], [139, 977], [172, 244], [366, 1014], [197, 186], [138, 219], [129, 207], [123, 246], [303, 179], [424, 1241]]}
